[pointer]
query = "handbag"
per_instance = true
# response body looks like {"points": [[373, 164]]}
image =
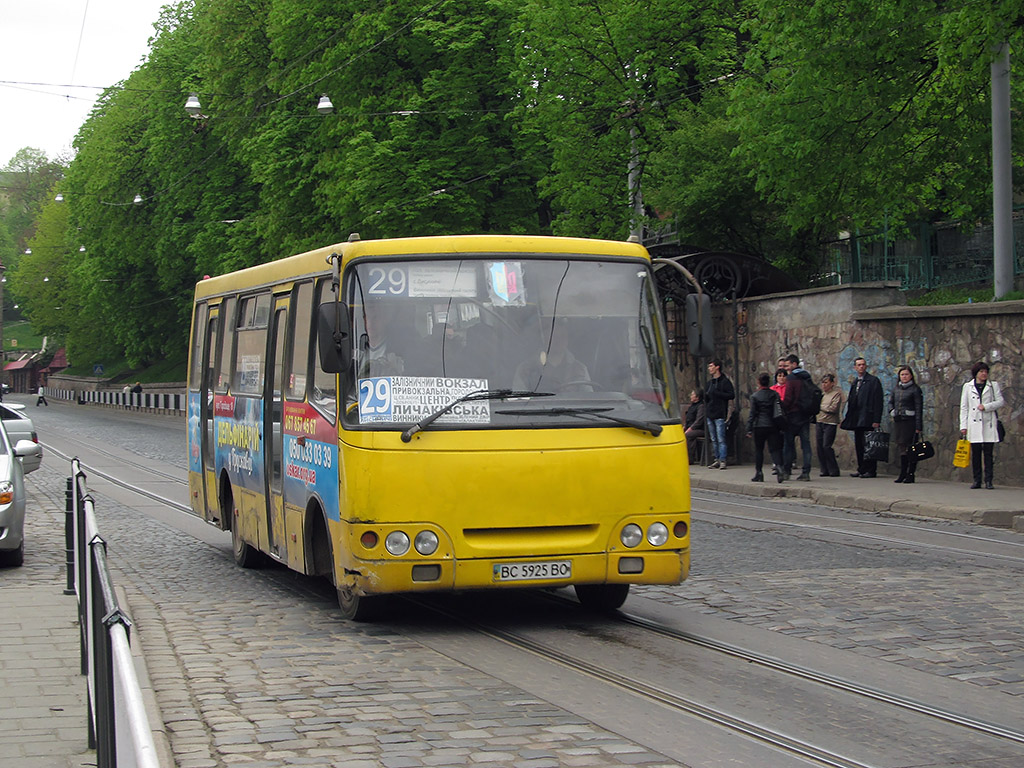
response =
{"points": [[778, 417], [1000, 430], [922, 450], [962, 455], [876, 446]]}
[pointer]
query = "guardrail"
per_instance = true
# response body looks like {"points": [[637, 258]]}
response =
{"points": [[119, 729], [165, 402]]}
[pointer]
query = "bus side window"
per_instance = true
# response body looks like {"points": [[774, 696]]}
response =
{"points": [[325, 388], [302, 349], [221, 376], [251, 345]]}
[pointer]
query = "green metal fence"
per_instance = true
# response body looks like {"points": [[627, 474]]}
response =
{"points": [[928, 256]]}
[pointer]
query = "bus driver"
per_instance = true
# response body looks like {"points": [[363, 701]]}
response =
{"points": [[373, 357], [554, 368]]}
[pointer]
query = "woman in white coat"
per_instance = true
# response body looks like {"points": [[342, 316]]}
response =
{"points": [[980, 400]]}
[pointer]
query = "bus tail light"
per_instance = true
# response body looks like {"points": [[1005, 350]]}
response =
{"points": [[368, 539], [680, 529]]}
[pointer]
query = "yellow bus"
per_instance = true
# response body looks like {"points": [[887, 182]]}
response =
{"points": [[441, 414]]}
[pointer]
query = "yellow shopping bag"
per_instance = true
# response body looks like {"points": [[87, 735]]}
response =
{"points": [[962, 456]]}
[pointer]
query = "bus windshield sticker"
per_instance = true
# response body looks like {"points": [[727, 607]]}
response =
{"points": [[428, 280], [505, 283], [408, 399]]}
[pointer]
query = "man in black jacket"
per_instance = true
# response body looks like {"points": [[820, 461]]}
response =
{"points": [[799, 422], [863, 414], [717, 395]]}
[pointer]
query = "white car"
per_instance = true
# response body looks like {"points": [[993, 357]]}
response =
{"points": [[12, 495], [20, 427]]}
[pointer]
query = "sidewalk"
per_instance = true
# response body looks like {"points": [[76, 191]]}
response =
{"points": [[1002, 507]]}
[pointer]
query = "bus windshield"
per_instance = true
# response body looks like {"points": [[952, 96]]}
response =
{"points": [[584, 335]]}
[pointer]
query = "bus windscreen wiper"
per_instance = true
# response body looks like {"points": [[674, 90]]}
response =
{"points": [[478, 394], [590, 414]]}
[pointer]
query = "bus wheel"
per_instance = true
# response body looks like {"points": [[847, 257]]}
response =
{"points": [[245, 555], [602, 597], [359, 607]]}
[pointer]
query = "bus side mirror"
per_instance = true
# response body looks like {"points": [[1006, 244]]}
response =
{"points": [[334, 337], [699, 329]]}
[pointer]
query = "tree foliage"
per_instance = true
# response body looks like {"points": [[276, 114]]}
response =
{"points": [[747, 125]]}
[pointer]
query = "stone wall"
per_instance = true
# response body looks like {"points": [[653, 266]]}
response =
{"points": [[830, 327]]}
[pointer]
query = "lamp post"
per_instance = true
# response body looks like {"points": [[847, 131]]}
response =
{"points": [[3, 355]]}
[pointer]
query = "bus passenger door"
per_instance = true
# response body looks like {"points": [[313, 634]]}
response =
{"points": [[211, 505], [273, 399]]}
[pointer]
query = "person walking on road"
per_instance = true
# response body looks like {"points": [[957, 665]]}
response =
{"points": [[41, 399], [798, 384], [717, 395], [980, 401], [827, 422], [761, 426], [863, 414], [906, 402]]}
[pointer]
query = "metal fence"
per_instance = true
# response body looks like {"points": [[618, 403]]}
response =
{"points": [[161, 402], [119, 729], [923, 257]]}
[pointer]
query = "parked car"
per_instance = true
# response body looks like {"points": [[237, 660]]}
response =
{"points": [[20, 427], [12, 495]]}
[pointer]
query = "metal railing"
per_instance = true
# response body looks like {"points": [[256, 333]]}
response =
{"points": [[119, 728]]}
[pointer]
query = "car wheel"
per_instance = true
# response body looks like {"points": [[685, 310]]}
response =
{"points": [[13, 557]]}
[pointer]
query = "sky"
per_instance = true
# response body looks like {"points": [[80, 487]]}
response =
{"points": [[48, 45]]}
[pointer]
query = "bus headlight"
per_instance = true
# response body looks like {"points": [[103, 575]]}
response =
{"points": [[657, 534], [631, 535], [397, 543], [426, 542]]}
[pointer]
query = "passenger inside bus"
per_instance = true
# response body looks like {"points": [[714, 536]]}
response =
{"points": [[554, 367]]}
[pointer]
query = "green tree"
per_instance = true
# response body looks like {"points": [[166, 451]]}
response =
{"points": [[856, 112]]}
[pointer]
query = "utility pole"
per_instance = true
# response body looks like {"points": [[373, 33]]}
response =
{"points": [[1002, 182]]}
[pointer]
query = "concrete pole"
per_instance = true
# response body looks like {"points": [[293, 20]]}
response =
{"points": [[636, 197], [1002, 183]]}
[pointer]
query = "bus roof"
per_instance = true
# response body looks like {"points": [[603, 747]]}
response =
{"points": [[316, 262]]}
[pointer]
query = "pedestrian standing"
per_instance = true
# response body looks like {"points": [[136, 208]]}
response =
{"points": [[762, 427], [780, 381], [797, 387], [693, 422], [980, 401], [827, 422], [863, 414], [41, 397], [906, 402], [717, 394]]}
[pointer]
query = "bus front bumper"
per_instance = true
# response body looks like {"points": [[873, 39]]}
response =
{"points": [[641, 567]]}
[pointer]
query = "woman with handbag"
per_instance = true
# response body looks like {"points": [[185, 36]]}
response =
{"points": [[827, 422], [765, 417], [980, 400], [906, 402]]}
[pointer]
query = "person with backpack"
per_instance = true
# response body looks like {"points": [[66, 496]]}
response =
{"points": [[801, 400]]}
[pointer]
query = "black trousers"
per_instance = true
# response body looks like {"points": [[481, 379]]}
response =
{"points": [[864, 466], [977, 451], [773, 437], [826, 436]]}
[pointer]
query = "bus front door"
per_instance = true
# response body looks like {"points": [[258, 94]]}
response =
{"points": [[273, 413]]}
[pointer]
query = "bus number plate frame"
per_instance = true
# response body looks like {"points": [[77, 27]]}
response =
{"points": [[537, 570]]}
